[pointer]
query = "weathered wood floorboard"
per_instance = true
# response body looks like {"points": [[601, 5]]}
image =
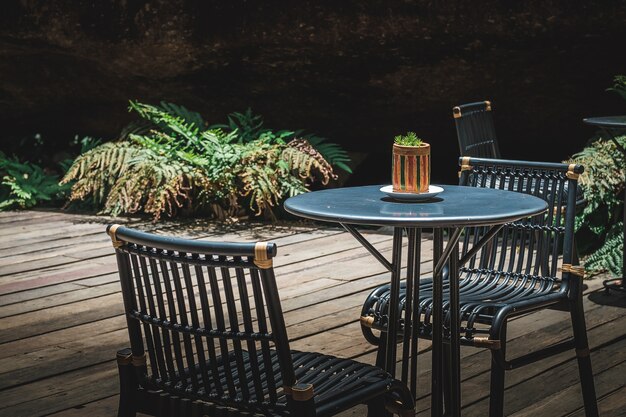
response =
{"points": [[61, 317]]}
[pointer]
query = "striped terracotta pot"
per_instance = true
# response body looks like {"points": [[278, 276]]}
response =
{"points": [[411, 168]]}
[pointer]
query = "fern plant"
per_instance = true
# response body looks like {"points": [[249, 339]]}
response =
{"points": [[25, 185], [598, 226], [178, 165], [248, 126]]}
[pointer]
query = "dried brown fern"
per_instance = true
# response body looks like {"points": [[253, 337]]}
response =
{"points": [[97, 170], [307, 162], [261, 176]]}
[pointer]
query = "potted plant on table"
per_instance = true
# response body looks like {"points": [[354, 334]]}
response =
{"points": [[410, 164]]}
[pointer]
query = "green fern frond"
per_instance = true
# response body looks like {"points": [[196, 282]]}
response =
{"points": [[609, 256], [172, 125], [248, 126], [597, 229], [181, 111], [24, 185]]}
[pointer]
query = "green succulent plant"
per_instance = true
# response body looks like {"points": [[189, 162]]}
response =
{"points": [[408, 139]]}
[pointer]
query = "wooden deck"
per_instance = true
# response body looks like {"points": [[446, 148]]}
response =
{"points": [[61, 318]]}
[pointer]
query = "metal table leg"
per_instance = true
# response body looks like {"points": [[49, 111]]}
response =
{"points": [[436, 396], [441, 256]]}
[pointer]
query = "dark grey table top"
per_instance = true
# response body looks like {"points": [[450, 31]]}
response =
{"points": [[455, 206], [607, 121]]}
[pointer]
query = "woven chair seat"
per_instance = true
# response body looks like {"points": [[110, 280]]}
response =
{"points": [[334, 379], [482, 294]]}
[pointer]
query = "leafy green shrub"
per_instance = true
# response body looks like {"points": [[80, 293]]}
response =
{"points": [[599, 227], [25, 185], [170, 162]]}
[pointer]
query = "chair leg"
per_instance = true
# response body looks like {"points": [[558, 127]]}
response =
{"points": [[447, 372], [398, 401], [496, 395], [128, 384], [584, 360], [382, 350], [303, 405], [376, 408]]}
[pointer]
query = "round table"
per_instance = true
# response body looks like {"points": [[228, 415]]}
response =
{"points": [[612, 126], [454, 208]]}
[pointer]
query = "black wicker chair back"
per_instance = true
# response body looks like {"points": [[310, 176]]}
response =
{"points": [[524, 257], [475, 130], [209, 316], [529, 265]]}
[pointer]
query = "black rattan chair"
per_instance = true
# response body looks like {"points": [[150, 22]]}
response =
{"points": [[476, 134], [209, 316], [475, 130], [525, 268]]}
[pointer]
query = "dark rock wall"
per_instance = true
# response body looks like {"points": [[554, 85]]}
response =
{"points": [[357, 72]]}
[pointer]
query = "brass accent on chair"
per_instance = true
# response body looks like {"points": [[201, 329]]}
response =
{"points": [[139, 360], [465, 163], [555, 211], [486, 342], [300, 392], [574, 270], [116, 242], [570, 172], [260, 256], [456, 112], [487, 105], [125, 358], [367, 321]]}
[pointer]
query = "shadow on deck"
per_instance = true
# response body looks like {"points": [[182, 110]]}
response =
{"points": [[61, 319]]}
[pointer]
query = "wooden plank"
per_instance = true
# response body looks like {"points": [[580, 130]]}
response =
{"points": [[56, 275], [73, 270], [20, 225], [475, 369], [565, 397], [8, 217], [20, 347], [45, 234], [86, 310], [60, 317], [55, 360], [22, 297], [60, 392], [52, 249], [35, 247], [105, 407], [612, 404], [81, 294]]}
